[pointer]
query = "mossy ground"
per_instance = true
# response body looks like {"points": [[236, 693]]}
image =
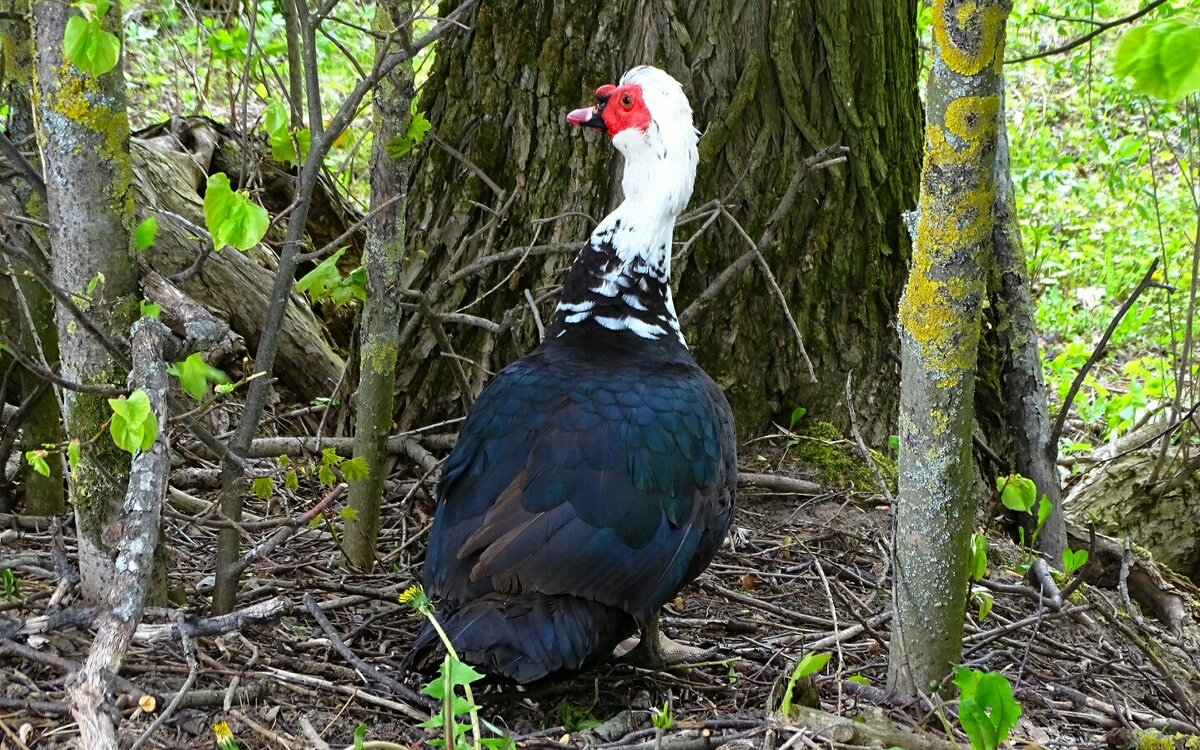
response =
{"points": [[836, 459]]}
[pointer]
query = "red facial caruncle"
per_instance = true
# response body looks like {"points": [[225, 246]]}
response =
{"points": [[619, 108]]}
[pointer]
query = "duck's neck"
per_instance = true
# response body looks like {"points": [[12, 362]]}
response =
{"points": [[621, 278]]}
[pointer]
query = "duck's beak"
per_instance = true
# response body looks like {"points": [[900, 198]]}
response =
{"points": [[593, 117], [588, 117]]}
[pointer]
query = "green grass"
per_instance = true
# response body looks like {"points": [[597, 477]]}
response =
{"points": [[1101, 193]]}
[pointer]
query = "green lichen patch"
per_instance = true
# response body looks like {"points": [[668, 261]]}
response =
{"points": [[1153, 740], [836, 459]]}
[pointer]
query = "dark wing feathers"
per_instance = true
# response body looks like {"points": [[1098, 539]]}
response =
{"points": [[591, 485]]}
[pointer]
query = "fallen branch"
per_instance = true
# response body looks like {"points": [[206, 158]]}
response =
{"points": [[362, 667], [778, 483], [88, 689], [875, 731], [260, 551]]}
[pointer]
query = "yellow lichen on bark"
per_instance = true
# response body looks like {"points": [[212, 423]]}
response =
{"points": [[968, 62], [79, 99], [954, 217]]}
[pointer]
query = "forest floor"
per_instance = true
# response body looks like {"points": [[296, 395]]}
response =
{"points": [[800, 574]]}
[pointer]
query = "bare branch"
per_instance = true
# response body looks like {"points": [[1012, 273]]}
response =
{"points": [[1099, 29]]}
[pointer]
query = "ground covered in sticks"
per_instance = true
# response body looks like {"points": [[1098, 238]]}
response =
{"points": [[313, 651]]}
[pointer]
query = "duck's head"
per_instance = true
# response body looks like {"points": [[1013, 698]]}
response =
{"points": [[650, 121]]}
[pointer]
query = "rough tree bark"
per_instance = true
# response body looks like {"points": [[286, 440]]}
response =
{"points": [[771, 84], [84, 130], [32, 307], [380, 330], [939, 338]]}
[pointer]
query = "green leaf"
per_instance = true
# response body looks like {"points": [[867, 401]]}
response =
{"points": [[355, 469], [977, 557], [194, 375], [400, 146], [858, 679], [1073, 560], [1045, 507], [810, 664], [231, 217], [73, 456], [348, 514], [360, 732], [797, 414], [87, 46], [146, 233], [283, 148], [985, 605], [1180, 59], [229, 45], [263, 487], [12, 586], [330, 457], [325, 476], [986, 709], [275, 118], [1017, 492], [1161, 57], [149, 309], [37, 461], [133, 425], [319, 282], [93, 283], [291, 481]]}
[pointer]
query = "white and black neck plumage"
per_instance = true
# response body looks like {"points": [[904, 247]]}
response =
{"points": [[621, 278]]}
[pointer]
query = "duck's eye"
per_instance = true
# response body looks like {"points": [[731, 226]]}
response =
{"points": [[627, 101]]}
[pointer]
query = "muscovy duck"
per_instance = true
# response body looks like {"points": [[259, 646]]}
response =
{"points": [[594, 477]]}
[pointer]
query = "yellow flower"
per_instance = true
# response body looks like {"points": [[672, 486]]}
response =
{"points": [[224, 737], [411, 593]]}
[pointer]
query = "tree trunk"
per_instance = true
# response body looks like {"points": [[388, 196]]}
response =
{"points": [[380, 330], [771, 84], [1022, 384], [89, 181], [33, 308], [939, 339]]}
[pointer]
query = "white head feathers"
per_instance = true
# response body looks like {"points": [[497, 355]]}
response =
{"points": [[660, 161]]}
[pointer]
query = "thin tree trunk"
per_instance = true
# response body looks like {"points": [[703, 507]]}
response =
{"points": [[1023, 387], [84, 132], [380, 330], [32, 308], [939, 339], [771, 84]]}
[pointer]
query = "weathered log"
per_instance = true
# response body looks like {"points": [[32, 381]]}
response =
{"points": [[1117, 499], [197, 329], [171, 164]]}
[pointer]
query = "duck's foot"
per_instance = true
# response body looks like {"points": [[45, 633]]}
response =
{"points": [[656, 651]]}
